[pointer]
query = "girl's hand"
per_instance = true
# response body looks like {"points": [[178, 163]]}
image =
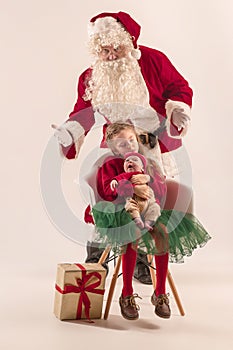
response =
{"points": [[140, 179], [142, 191], [113, 184]]}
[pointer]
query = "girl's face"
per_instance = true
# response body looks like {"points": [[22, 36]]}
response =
{"points": [[125, 141]]}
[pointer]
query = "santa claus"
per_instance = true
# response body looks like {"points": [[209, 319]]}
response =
{"points": [[124, 73], [132, 82]]}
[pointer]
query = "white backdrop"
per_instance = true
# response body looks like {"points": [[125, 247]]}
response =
{"points": [[42, 53]]}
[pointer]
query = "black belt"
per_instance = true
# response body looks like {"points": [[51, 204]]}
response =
{"points": [[148, 138], [151, 138]]}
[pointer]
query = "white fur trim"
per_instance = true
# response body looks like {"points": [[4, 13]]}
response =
{"points": [[103, 25], [75, 129], [77, 132], [107, 31], [136, 53], [170, 106]]}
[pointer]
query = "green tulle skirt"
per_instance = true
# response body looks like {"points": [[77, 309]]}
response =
{"points": [[174, 232]]}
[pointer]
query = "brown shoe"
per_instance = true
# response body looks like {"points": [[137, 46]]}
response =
{"points": [[129, 309], [161, 303]]}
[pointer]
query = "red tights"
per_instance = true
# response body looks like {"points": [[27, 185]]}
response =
{"points": [[161, 263], [128, 265]]}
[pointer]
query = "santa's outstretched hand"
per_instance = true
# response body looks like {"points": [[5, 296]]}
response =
{"points": [[63, 136]]}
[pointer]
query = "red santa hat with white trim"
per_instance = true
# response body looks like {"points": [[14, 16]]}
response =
{"points": [[115, 29]]}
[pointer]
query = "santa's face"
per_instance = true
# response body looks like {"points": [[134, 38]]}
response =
{"points": [[125, 141], [112, 53], [116, 81], [133, 163]]}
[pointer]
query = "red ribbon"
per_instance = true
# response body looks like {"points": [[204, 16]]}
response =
{"points": [[82, 288]]}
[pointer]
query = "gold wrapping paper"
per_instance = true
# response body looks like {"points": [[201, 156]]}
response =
{"points": [[69, 276]]}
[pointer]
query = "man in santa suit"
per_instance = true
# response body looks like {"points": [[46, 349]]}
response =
{"points": [[123, 75]]}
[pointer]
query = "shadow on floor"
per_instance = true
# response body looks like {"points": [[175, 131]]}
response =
{"points": [[116, 322]]}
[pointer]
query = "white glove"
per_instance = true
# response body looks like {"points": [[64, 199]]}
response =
{"points": [[63, 136], [179, 118]]}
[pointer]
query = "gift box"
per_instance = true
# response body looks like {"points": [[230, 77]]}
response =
{"points": [[79, 291]]}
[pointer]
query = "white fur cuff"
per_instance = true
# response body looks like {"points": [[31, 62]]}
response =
{"points": [[77, 132], [75, 129]]}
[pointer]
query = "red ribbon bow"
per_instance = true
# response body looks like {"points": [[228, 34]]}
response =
{"points": [[82, 288]]}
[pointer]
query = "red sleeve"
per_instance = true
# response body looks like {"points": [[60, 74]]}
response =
{"points": [[176, 88], [108, 171], [125, 176], [104, 176], [164, 79], [82, 113], [157, 183], [125, 188]]}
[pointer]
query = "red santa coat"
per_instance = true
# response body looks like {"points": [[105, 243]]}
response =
{"points": [[163, 82]]}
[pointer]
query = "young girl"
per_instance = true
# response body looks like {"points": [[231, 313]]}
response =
{"points": [[115, 225]]}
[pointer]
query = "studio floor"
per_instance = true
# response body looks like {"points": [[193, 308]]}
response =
{"points": [[28, 321]]}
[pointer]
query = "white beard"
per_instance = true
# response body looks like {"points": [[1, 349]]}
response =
{"points": [[118, 91], [118, 81]]}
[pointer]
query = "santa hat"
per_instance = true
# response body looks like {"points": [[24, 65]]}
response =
{"points": [[117, 29], [139, 155]]}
